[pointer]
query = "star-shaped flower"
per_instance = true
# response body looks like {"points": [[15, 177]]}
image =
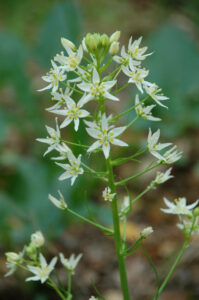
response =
{"points": [[106, 135], [144, 111], [153, 145], [53, 139], [152, 91], [55, 75], [73, 111], [70, 62], [70, 263], [135, 51], [180, 206], [42, 273], [73, 169], [137, 75], [98, 88]]}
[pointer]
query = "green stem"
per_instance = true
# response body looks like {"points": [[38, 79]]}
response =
{"points": [[186, 243], [122, 88], [72, 88], [132, 122], [143, 193], [127, 111], [75, 144], [117, 235], [123, 160], [152, 264], [55, 287], [69, 297], [124, 181], [109, 231]]}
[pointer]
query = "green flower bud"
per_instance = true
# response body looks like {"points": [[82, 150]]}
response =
{"points": [[105, 40], [92, 41], [114, 48], [115, 36], [31, 251]]}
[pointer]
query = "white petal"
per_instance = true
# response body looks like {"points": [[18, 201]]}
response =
{"points": [[119, 143], [106, 149]]}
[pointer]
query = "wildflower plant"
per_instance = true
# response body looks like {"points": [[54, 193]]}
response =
{"points": [[87, 77]]}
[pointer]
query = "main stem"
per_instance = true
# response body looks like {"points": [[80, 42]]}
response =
{"points": [[117, 235]]}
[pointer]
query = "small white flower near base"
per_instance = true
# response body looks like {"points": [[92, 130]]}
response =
{"points": [[180, 206], [163, 177], [106, 194], [70, 263], [61, 204], [73, 169], [146, 232], [171, 156], [93, 298], [152, 91], [42, 273]]}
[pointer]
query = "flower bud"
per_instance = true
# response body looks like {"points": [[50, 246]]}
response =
{"points": [[105, 40], [115, 36], [67, 44], [31, 251], [92, 41], [114, 48], [12, 257], [37, 239], [146, 232]]}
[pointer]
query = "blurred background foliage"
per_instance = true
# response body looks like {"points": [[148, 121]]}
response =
{"points": [[30, 34]]}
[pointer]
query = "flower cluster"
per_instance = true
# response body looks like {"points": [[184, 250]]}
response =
{"points": [[86, 65], [35, 262]]}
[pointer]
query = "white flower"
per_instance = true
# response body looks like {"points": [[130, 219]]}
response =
{"points": [[53, 139], [61, 98], [70, 263], [13, 259], [67, 43], [180, 207], [106, 136], [42, 273], [97, 88], [55, 75], [73, 112], [70, 62], [73, 169], [63, 151], [93, 298], [152, 91], [146, 232], [135, 51], [188, 226], [163, 177], [136, 75], [58, 203], [144, 112], [106, 194], [172, 155], [37, 239], [125, 58], [154, 146]]}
